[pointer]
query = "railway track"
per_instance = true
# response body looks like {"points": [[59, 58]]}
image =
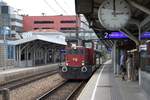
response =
{"points": [[26, 80], [64, 91]]}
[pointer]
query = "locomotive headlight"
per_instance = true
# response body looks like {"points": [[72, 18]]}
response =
{"points": [[66, 64], [83, 64]]}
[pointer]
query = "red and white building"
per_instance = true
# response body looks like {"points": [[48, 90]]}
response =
{"points": [[69, 25], [59, 23]]}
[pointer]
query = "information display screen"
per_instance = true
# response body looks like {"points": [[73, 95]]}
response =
{"points": [[121, 35]]}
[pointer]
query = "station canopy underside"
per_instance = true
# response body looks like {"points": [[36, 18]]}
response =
{"points": [[140, 17]]}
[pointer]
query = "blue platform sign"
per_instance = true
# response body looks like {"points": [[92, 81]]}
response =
{"points": [[121, 35], [145, 35], [115, 35]]}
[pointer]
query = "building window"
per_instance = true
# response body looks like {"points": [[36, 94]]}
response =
{"points": [[46, 28], [10, 51], [13, 27], [42, 28], [68, 21], [36, 28], [4, 9], [16, 20], [4, 31], [66, 28], [16, 28], [43, 22]]}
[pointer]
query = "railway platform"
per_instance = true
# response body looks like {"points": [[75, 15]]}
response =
{"points": [[103, 85], [17, 73]]}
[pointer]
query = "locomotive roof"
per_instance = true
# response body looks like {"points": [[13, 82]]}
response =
{"points": [[76, 47]]}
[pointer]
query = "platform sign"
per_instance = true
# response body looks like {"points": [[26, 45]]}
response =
{"points": [[145, 35], [115, 35], [121, 35]]}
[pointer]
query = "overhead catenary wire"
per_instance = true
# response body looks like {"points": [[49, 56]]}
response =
{"points": [[60, 7], [47, 3], [66, 2], [67, 5]]}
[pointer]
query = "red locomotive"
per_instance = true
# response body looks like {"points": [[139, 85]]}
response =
{"points": [[80, 62]]}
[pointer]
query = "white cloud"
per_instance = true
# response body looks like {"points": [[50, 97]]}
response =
{"points": [[36, 7]]}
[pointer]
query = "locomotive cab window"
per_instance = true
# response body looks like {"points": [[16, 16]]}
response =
{"points": [[76, 51]]}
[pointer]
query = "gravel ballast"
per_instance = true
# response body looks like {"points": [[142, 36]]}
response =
{"points": [[35, 89]]}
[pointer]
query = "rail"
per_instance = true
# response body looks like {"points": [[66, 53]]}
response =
{"points": [[70, 89], [26, 80], [6, 88]]}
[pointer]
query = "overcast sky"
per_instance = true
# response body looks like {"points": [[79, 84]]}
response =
{"points": [[49, 7]]}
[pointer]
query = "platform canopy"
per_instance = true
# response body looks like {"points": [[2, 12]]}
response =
{"points": [[51, 36], [138, 23], [59, 41], [39, 47]]}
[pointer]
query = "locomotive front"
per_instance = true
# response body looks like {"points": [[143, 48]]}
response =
{"points": [[76, 64]]}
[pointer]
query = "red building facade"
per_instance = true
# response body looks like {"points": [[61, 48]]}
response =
{"points": [[59, 23]]}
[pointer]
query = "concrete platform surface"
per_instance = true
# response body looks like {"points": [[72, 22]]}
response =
{"points": [[105, 86], [17, 73]]}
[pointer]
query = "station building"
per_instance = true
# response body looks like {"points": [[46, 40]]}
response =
{"points": [[9, 17], [70, 25], [10, 26]]}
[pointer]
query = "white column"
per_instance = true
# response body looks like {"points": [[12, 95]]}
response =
{"points": [[19, 56], [117, 60], [114, 57], [45, 53], [33, 56], [27, 56]]}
